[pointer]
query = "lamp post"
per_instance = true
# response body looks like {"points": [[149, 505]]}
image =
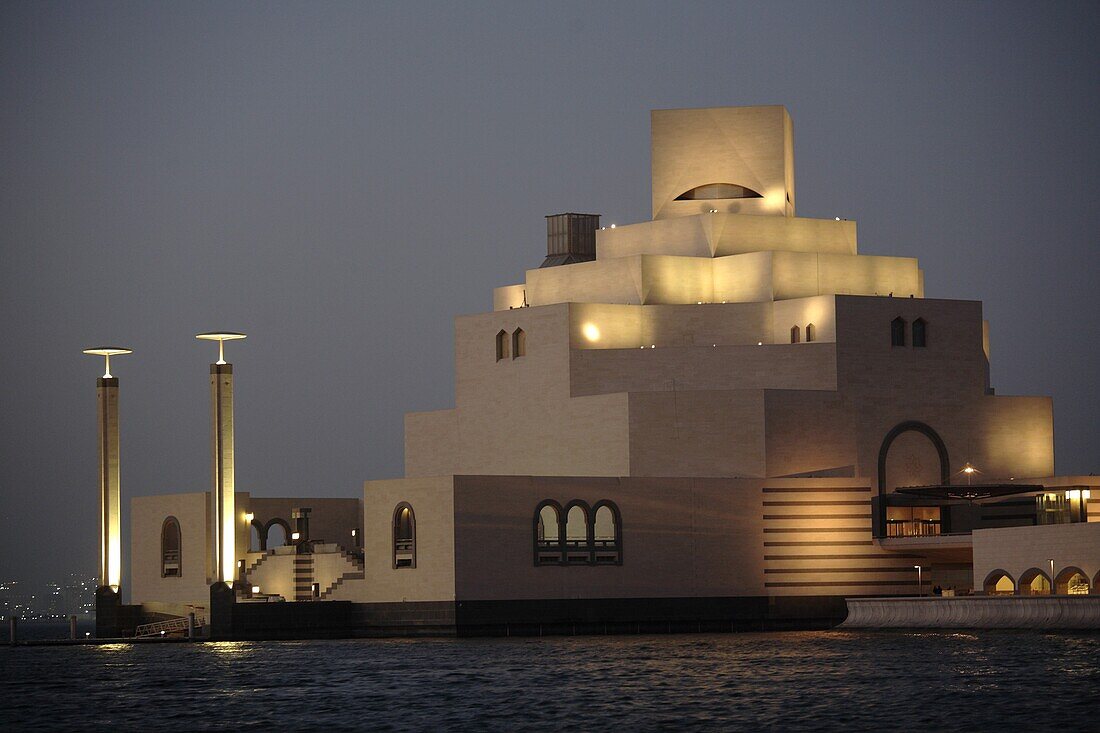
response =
{"points": [[920, 585], [1053, 588], [110, 535], [221, 495]]}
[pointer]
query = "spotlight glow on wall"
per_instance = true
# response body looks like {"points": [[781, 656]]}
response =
{"points": [[591, 331]]}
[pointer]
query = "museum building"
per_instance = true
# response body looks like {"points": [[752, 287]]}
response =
{"points": [[723, 418]]}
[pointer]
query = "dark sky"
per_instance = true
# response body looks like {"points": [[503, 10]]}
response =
{"points": [[340, 180]]}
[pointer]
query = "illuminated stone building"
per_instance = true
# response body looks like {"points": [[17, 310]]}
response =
{"points": [[698, 421]]}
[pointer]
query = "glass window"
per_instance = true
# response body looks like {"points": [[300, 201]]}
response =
{"points": [[897, 332], [404, 537], [920, 333], [171, 543]]}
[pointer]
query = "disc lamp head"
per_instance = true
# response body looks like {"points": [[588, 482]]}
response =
{"points": [[107, 352], [221, 337]]}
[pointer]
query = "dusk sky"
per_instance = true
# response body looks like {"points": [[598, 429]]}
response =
{"points": [[339, 181]]}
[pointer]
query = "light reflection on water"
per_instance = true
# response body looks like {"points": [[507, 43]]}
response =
{"points": [[792, 681]]}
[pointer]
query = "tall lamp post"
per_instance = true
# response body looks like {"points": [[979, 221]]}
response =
{"points": [[224, 557], [108, 591], [920, 585]]}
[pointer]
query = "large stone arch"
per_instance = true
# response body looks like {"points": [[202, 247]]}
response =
{"points": [[926, 431]]}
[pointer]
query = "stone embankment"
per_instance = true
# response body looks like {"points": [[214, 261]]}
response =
{"points": [[975, 612]]}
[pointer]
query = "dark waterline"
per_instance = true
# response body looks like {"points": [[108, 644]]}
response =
{"points": [[981, 680]]}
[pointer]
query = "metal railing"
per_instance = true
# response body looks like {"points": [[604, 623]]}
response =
{"points": [[163, 628], [912, 528]]}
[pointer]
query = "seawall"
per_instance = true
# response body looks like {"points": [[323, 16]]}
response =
{"points": [[975, 612]]}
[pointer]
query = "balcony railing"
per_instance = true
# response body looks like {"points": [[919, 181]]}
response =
{"points": [[912, 528]]}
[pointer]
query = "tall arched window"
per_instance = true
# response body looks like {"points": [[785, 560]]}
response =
{"points": [[811, 332], [519, 343], [171, 545], [502, 345], [404, 536], [794, 335], [548, 534], [607, 534], [577, 549], [920, 333], [897, 332]]}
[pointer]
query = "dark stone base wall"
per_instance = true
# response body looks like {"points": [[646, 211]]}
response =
{"points": [[647, 615], [114, 619], [343, 619]]}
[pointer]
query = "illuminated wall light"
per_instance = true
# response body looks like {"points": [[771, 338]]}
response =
{"points": [[653, 346], [296, 535], [612, 226], [591, 331], [759, 343], [255, 589], [249, 516]]}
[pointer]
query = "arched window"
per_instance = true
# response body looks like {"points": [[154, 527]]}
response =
{"points": [[577, 549], [519, 343], [607, 534], [920, 333], [794, 335], [1071, 581], [999, 583], [811, 332], [404, 536], [1034, 582], [171, 544], [502, 345], [548, 534], [897, 332]]}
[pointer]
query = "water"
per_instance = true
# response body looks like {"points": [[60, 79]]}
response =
{"points": [[788, 681]]}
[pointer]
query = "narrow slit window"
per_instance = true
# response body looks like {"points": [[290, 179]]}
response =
{"points": [[519, 343], [811, 332], [795, 335], [897, 332], [920, 333], [502, 345]]}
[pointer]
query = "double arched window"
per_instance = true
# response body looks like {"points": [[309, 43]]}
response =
{"points": [[796, 333], [920, 332], [404, 536], [171, 546], [578, 534], [514, 344]]}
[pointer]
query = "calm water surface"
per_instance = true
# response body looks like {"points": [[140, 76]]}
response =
{"points": [[971, 681]]}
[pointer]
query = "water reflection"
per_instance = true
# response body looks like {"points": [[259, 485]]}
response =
{"points": [[824, 681]]}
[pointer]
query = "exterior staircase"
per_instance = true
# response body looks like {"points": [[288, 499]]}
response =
{"points": [[357, 574]]}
